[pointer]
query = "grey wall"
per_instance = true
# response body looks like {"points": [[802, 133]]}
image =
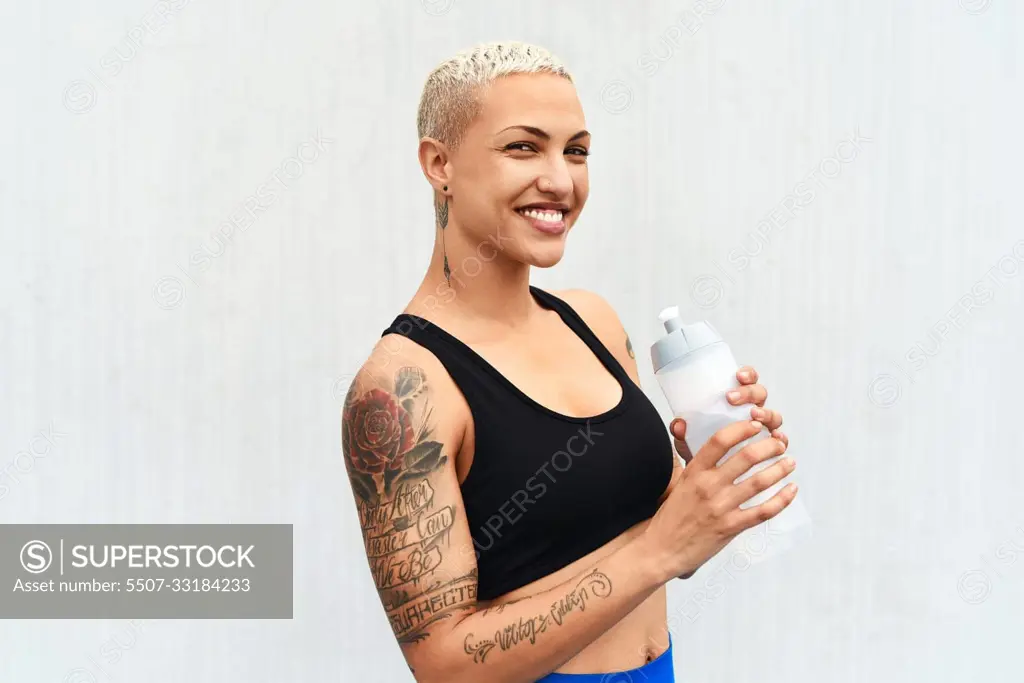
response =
{"points": [[885, 316]]}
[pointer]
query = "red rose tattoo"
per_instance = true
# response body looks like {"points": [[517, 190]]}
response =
{"points": [[378, 433], [378, 437]]}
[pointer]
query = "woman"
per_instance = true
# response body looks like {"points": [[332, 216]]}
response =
{"points": [[521, 504]]}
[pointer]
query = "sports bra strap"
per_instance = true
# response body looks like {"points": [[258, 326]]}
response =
{"points": [[583, 331]]}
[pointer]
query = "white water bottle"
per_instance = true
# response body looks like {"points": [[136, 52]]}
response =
{"points": [[695, 370]]}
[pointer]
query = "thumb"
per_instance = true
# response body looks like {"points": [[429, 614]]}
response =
{"points": [[678, 429]]}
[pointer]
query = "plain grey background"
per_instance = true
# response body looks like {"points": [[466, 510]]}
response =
{"points": [[885, 316]]}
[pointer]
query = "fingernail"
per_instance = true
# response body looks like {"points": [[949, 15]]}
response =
{"points": [[757, 413], [755, 424], [733, 395], [745, 374]]}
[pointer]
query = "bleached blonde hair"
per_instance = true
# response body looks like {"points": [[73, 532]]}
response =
{"points": [[451, 95]]}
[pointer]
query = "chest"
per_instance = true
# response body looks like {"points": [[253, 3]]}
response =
{"points": [[556, 369], [569, 476]]}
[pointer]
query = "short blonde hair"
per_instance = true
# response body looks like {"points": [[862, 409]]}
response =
{"points": [[450, 98]]}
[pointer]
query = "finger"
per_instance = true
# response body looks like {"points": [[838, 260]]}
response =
{"points": [[756, 514], [752, 393], [746, 375], [760, 481], [780, 435], [721, 442], [748, 457], [678, 429], [772, 419]]}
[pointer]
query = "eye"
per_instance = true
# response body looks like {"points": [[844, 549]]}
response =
{"points": [[517, 145], [579, 151]]}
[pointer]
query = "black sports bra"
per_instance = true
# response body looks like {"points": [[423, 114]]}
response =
{"points": [[545, 489]]}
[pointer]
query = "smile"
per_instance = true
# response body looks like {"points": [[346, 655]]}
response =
{"points": [[543, 215], [548, 221]]}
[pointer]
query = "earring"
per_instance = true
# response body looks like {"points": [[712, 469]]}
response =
{"points": [[442, 220]]}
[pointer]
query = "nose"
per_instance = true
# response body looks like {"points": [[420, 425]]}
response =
{"points": [[556, 179]]}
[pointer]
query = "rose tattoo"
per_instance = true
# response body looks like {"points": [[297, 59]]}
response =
{"points": [[378, 432], [378, 437]]}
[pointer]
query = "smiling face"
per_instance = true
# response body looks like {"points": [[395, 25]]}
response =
{"points": [[522, 167]]}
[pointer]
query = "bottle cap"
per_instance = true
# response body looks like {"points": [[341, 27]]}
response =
{"points": [[681, 339], [670, 318]]}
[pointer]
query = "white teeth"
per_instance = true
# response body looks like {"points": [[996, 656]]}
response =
{"points": [[549, 216]]}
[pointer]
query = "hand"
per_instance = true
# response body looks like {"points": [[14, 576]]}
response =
{"points": [[749, 391], [701, 515], [712, 496]]}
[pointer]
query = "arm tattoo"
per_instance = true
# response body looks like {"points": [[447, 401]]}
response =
{"points": [[629, 347], [593, 585], [390, 457]]}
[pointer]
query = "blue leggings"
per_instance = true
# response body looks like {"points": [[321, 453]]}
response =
{"points": [[658, 671]]}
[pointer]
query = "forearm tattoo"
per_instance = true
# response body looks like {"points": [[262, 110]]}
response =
{"points": [[390, 457], [526, 629]]}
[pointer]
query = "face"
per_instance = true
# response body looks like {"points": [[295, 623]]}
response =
{"points": [[522, 168]]}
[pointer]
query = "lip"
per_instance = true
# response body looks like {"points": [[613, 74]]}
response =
{"points": [[547, 227], [549, 206]]}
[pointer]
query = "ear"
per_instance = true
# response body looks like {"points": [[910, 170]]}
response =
{"points": [[435, 162]]}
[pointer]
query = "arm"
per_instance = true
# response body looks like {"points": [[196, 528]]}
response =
{"points": [[401, 429]]}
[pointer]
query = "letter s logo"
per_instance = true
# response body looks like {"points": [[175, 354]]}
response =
{"points": [[36, 557]]}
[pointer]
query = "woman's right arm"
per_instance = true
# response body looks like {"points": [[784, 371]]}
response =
{"points": [[399, 443], [400, 434]]}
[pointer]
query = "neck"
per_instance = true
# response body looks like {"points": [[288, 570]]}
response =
{"points": [[485, 284]]}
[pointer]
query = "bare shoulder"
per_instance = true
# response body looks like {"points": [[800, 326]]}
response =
{"points": [[592, 307], [605, 322], [407, 386]]}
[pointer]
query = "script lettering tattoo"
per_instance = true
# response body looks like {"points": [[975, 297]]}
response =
{"points": [[593, 585], [390, 458]]}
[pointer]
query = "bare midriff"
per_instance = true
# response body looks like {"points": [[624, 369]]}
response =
{"points": [[641, 636]]}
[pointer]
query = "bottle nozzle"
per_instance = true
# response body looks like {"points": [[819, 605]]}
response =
{"points": [[670, 318], [690, 338]]}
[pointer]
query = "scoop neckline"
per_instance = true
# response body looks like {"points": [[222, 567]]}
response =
{"points": [[523, 396]]}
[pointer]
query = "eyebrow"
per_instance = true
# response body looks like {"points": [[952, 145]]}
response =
{"points": [[543, 135]]}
